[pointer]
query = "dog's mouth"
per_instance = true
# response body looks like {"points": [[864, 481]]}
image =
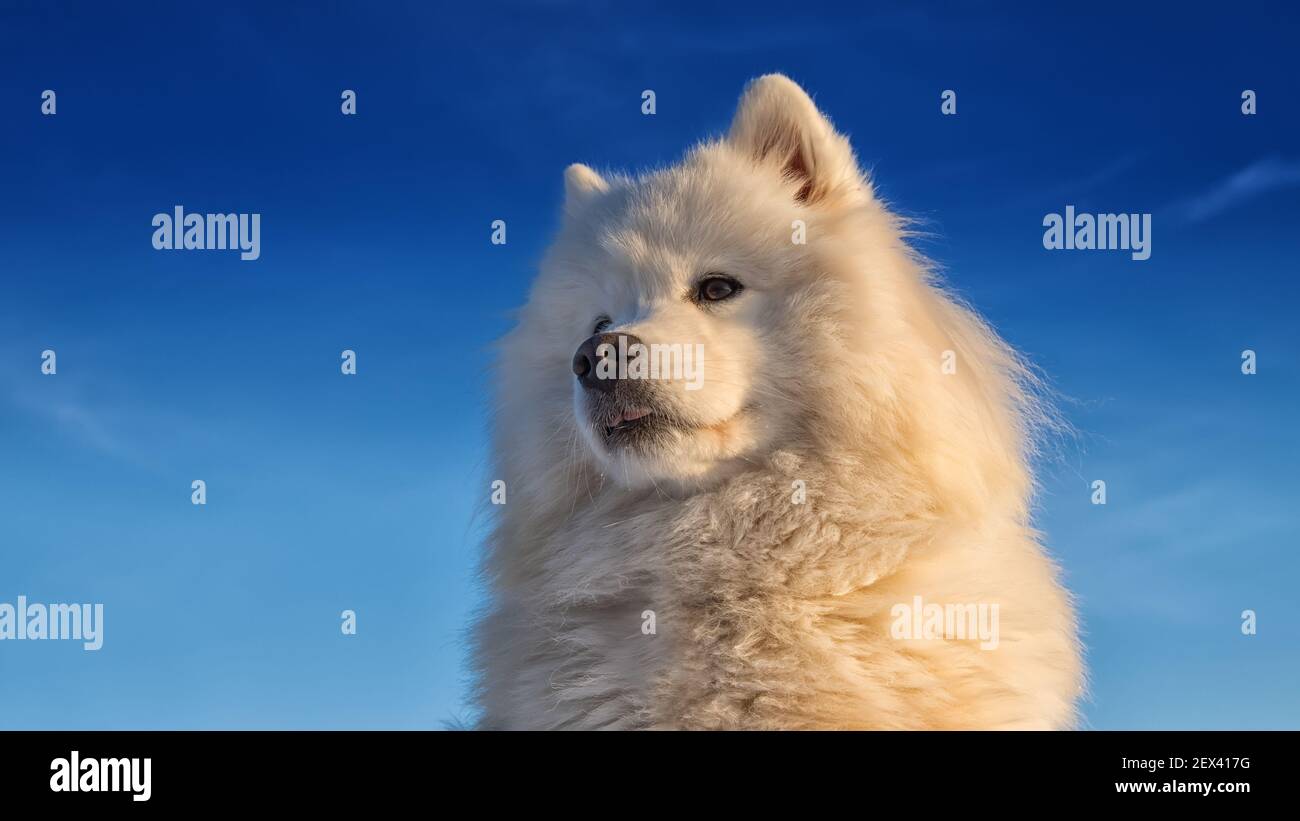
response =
{"points": [[628, 420], [641, 429]]}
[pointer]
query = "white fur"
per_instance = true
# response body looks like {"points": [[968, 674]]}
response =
{"points": [[825, 371]]}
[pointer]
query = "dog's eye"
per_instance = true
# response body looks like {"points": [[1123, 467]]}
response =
{"points": [[601, 324], [716, 288]]}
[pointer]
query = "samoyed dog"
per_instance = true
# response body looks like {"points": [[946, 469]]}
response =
{"points": [[813, 513]]}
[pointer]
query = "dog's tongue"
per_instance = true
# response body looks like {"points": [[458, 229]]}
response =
{"points": [[630, 415]]}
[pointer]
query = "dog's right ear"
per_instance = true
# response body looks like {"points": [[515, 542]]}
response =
{"points": [[581, 184]]}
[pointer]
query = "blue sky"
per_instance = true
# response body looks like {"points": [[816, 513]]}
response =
{"points": [[328, 493]]}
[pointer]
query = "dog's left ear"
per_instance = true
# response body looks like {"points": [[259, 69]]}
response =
{"points": [[778, 125], [581, 183]]}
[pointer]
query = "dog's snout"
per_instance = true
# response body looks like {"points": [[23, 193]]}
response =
{"points": [[587, 362]]}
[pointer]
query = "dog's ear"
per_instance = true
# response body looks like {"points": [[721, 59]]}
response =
{"points": [[581, 183], [778, 125]]}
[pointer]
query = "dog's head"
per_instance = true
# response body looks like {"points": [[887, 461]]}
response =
{"points": [[688, 322], [686, 299]]}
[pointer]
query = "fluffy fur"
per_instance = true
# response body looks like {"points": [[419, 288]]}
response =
{"points": [[824, 372]]}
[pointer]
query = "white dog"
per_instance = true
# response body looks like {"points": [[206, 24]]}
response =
{"points": [[816, 517]]}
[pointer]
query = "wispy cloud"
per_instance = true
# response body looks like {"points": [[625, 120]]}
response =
{"points": [[83, 412], [1076, 189], [79, 420], [1255, 180]]}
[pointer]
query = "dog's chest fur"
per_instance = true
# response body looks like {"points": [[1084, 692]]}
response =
{"points": [[725, 609]]}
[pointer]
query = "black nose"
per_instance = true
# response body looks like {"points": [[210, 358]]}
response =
{"points": [[587, 366]]}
